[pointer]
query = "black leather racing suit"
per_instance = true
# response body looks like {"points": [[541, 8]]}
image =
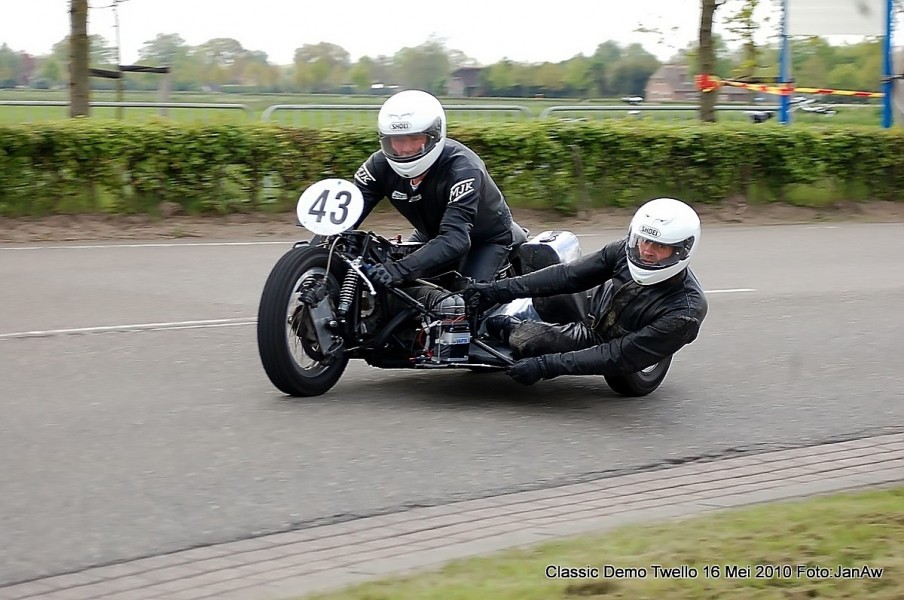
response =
{"points": [[624, 327], [457, 209]]}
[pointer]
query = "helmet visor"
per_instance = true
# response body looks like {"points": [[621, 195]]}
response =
{"points": [[408, 146], [651, 254]]}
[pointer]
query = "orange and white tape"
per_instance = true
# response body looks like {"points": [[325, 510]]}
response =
{"points": [[710, 83]]}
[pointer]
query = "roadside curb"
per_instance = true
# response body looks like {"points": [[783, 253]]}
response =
{"points": [[320, 558]]}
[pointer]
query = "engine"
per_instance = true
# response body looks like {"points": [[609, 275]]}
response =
{"points": [[446, 339], [452, 333]]}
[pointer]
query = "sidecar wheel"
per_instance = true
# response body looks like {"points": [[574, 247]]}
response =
{"points": [[640, 383], [289, 357]]}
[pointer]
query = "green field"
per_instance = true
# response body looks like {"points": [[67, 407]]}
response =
{"points": [[315, 117]]}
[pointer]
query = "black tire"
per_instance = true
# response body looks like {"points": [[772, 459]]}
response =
{"points": [[640, 383], [276, 339]]}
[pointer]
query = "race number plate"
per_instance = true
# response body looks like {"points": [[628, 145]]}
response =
{"points": [[330, 206]]}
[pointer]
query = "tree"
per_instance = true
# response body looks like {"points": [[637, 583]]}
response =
{"points": [[79, 76], [548, 78], [743, 25], [867, 58], [223, 52], [629, 75], [170, 50], [320, 67], [844, 76], [51, 71], [100, 52], [16, 68], [167, 49], [500, 78], [458, 59], [218, 58], [28, 65], [726, 65], [361, 75], [810, 61], [706, 60], [252, 68], [425, 67], [10, 66], [578, 75], [601, 63]]}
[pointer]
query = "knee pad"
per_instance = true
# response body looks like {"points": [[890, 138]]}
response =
{"points": [[532, 338]]}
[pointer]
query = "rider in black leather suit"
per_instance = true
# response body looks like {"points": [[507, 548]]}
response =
{"points": [[444, 190], [644, 302]]}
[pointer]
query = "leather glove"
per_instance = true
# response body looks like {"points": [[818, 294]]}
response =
{"points": [[385, 275], [529, 371], [500, 326], [492, 292]]}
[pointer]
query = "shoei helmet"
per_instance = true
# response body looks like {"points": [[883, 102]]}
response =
{"points": [[662, 238], [402, 117]]}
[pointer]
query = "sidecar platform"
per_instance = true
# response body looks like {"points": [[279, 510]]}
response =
{"points": [[483, 355], [489, 354]]}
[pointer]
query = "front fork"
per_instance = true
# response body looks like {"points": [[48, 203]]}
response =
{"points": [[324, 325], [330, 329]]}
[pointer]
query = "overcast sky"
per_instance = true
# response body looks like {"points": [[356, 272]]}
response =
{"points": [[487, 30]]}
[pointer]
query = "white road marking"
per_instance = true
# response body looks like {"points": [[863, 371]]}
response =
{"points": [[202, 324], [146, 245], [134, 327]]}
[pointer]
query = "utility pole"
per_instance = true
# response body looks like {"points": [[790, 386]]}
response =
{"points": [[119, 81]]}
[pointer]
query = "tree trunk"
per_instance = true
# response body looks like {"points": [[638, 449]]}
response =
{"points": [[706, 59], [79, 82]]}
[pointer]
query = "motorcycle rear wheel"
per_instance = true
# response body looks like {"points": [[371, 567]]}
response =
{"points": [[284, 349], [640, 383]]}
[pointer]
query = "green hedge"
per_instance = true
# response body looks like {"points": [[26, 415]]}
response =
{"points": [[90, 166]]}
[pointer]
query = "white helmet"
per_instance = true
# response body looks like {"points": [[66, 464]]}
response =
{"points": [[664, 222], [412, 112]]}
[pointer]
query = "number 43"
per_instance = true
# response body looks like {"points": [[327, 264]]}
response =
{"points": [[318, 209]]}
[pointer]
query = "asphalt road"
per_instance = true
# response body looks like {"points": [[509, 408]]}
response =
{"points": [[152, 427]]}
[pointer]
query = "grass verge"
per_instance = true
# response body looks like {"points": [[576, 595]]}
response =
{"points": [[792, 551]]}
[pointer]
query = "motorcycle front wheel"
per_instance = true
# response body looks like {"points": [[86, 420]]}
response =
{"points": [[285, 341], [642, 382]]}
